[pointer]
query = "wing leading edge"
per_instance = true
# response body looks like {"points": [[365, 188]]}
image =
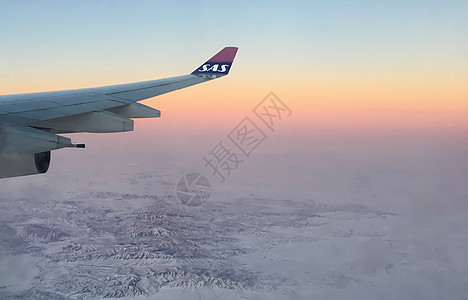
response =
{"points": [[29, 122]]}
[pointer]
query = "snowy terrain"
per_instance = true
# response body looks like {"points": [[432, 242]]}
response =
{"points": [[329, 226]]}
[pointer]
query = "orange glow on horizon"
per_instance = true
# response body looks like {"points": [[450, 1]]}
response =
{"points": [[316, 100]]}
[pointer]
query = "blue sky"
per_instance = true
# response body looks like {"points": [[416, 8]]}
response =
{"points": [[294, 30]]}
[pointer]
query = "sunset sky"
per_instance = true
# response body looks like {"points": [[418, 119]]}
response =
{"points": [[370, 66], [376, 145]]}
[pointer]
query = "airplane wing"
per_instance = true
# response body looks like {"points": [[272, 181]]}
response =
{"points": [[30, 123]]}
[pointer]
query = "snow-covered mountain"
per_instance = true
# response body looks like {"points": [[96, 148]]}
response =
{"points": [[357, 232]]}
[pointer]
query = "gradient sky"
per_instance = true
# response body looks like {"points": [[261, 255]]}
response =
{"points": [[378, 91], [339, 65]]}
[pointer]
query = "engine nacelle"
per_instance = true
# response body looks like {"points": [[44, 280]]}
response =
{"points": [[26, 140], [12, 165]]}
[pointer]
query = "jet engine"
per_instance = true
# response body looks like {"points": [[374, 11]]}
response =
{"points": [[12, 165], [26, 150]]}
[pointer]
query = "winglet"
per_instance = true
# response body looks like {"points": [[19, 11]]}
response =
{"points": [[217, 66]]}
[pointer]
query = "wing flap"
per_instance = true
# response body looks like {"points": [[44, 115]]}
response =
{"points": [[63, 111], [97, 122], [136, 110]]}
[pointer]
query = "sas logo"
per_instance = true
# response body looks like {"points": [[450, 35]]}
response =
{"points": [[214, 68]]}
